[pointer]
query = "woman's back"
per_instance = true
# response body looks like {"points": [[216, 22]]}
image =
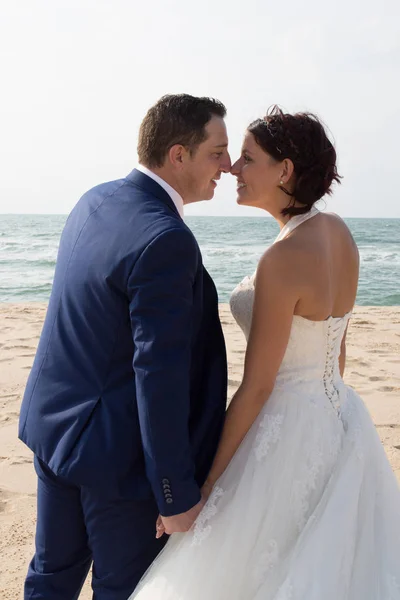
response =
{"points": [[325, 266]]}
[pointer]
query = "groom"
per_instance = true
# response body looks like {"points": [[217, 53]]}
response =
{"points": [[126, 398]]}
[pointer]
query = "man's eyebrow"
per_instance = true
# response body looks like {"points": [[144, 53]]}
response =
{"points": [[221, 146]]}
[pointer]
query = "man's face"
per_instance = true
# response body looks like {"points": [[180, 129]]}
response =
{"points": [[203, 168]]}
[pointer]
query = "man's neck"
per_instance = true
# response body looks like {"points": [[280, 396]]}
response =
{"points": [[168, 178], [170, 189]]}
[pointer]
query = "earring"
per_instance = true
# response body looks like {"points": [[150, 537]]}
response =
{"points": [[281, 182]]}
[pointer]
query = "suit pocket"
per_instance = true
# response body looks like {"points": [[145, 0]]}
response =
{"points": [[108, 447], [76, 465]]}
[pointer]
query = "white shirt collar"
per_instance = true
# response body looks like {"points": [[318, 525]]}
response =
{"points": [[175, 197]]}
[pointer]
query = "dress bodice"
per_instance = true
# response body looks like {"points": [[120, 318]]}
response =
{"points": [[313, 350]]}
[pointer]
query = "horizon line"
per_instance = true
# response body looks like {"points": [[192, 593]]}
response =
{"points": [[186, 216]]}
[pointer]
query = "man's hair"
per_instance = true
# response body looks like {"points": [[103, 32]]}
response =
{"points": [[175, 119]]}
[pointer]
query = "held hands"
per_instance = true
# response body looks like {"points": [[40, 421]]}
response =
{"points": [[184, 521], [178, 523]]}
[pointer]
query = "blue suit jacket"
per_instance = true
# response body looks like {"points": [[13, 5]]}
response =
{"points": [[128, 386]]}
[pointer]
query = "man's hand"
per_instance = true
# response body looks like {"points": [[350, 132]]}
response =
{"points": [[182, 522]]}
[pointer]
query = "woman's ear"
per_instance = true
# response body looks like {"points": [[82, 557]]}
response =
{"points": [[287, 171]]}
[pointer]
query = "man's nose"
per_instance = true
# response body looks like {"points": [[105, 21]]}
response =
{"points": [[226, 164]]}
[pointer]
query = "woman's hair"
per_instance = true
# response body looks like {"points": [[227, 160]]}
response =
{"points": [[302, 139]]}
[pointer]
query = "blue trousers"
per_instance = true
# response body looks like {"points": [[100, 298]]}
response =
{"points": [[75, 526]]}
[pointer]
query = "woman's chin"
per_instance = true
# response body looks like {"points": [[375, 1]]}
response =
{"points": [[244, 200]]}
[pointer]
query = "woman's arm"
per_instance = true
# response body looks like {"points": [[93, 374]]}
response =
{"points": [[274, 305]]}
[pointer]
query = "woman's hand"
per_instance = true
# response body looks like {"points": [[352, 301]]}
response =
{"points": [[206, 491], [182, 522], [160, 529]]}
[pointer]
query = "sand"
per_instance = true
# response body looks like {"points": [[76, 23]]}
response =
{"points": [[373, 369]]}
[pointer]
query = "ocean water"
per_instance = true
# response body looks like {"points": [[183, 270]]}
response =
{"points": [[231, 247]]}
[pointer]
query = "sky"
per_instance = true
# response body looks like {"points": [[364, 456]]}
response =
{"points": [[78, 76]]}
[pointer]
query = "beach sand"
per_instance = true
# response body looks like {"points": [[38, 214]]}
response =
{"points": [[373, 369]]}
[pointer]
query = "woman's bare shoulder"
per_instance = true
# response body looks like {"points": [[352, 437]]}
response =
{"points": [[335, 220], [340, 226], [282, 260]]}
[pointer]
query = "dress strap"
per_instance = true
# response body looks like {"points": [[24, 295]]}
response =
{"points": [[295, 222]]}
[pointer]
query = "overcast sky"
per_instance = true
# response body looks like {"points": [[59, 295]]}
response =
{"points": [[77, 77]]}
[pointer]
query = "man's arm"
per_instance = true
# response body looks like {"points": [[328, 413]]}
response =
{"points": [[161, 305]]}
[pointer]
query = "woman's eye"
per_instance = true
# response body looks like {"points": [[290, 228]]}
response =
{"points": [[246, 158]]}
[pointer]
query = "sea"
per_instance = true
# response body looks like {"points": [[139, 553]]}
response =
{"points": [[231, 247]]}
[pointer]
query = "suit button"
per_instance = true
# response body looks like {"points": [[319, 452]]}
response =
{"points": [[168, 495], [165, 481], [169, 501], [166, 488]]}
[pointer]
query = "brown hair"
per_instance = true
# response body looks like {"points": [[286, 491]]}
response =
{"points": [[175, 119], [302, 139]]}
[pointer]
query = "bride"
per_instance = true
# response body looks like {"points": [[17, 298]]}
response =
{"points": [[302, 502]]}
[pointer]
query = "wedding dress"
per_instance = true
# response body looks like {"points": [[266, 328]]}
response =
{"points": [[308, 508]]}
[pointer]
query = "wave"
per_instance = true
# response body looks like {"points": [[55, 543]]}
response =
{"points": [[29, 263]]}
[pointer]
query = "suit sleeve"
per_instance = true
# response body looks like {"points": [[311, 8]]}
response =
{"points": [[161, 310]]}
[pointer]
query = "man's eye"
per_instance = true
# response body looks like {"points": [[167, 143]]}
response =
{"points": [[218, 154], [246, 158]]}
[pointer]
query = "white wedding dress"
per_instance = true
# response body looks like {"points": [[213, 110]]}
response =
{"points": [[309, 508]]}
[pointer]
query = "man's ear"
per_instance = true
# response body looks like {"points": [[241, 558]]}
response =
{"points": [[177, 155]]}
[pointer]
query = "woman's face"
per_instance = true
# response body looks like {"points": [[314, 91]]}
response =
{"points": [[258, 175]]}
